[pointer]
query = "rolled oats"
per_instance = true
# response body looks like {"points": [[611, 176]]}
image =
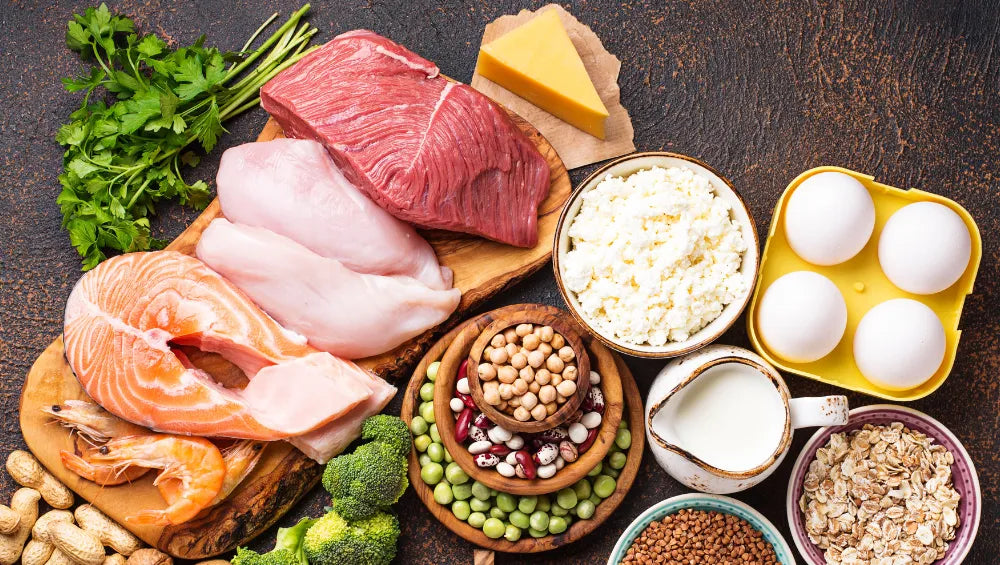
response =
{"points": [[880, 495]]}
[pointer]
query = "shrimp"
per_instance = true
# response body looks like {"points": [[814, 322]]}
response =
{"points": [[241, 457], [94, 425], [192, 472]]}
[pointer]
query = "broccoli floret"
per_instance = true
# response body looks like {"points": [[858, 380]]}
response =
{"points": [[334, 541], [287, 548], [246, 556], [363, 482], [387, 429]]}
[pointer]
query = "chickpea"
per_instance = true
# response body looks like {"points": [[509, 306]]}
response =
{"points": [[492, 397], [519, 360], [523, 329], [498, 341], [547, 334], [487, 372], [554, 364], [529, 400], [556, 379], [521, 414], [514, 402], [534, 387], [538, 332], [527, 374], [487, 351], [539, 412], [550, 408], [560, 399], [510, 335], [557, 342], [498, 356], [545, 348], [543, 377], [507, 374], [570, 373], [531, 342], [511, 348], [566, 353], [524, 352], [520, 387], [566, 388], [536, 359], [547, 394], [506, 391], [502, 406]]}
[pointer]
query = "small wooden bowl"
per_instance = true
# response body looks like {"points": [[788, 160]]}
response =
{"points": [[539, 315], [611, 385]]}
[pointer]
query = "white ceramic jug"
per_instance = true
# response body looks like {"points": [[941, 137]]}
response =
{"points": [[681, 464]]}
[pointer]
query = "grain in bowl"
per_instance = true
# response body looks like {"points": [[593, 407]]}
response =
{"points": [[654, 256]]}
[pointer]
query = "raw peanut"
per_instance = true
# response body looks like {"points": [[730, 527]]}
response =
{"points": [[119, 559], [59, 558], [40, 531], [107, 530], [8, 520], [80, 546], [149, 556], [25, 503], [36, 553], [28, 472]]}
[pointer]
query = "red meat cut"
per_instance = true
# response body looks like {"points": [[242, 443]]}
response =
{"points": [[432, 152]]}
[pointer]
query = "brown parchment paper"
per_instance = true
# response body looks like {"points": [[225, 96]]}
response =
{"points": [[575, 147]]}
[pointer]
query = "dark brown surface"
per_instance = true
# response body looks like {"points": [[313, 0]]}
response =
{"points": [[902, 91]]}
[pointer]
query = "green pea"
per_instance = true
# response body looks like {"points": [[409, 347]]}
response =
{"points": [[585, 509], [432, 473], [537, 533], [480, 491], [498, 514], [519, 519], [623, 439], [427, 392], [433, 431], [436, 452], [480, 505], [461, 510], [558, 510], [539, 520], [557, 525], [506, 502], [477, 519], [432, 370], [582, 489], [494, 528], [623, 424], [617, 460], [494, 492], [609, 471], [512, 533], [594, 499], [447, 456], [421, 442], [604, 486], [595, 471], [566, 498], [527, 505], [424, 459], [455, 474], [427, 412], [462, 491], [418, 426], [543, 503], [443, 494]]}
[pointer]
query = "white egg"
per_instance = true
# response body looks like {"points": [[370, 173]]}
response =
{"points": [[899, 344], [829, 218], [802, 317], [924, 248]]}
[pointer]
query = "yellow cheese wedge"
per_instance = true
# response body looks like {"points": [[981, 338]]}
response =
{"points": [[538, 62]]}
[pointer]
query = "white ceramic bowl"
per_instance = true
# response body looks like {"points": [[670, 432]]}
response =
{"points": [[709, 502], [625, 166]]}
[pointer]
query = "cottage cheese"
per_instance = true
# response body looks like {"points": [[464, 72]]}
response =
{"points": [[655, 256]]}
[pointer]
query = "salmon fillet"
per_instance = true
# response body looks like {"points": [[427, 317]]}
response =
{"points": [[124, 318]]}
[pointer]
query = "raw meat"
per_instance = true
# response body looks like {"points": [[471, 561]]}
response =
{"points": [[293, 188], [124, 317], [435, 153], [324, 443], [351, 315]]}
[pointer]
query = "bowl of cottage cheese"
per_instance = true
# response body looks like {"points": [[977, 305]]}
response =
{"points": [[656, 254]]}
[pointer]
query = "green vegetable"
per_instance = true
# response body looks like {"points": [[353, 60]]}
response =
{"points": [[557, 510], [539, 520], [433, 431], [432, 370], [443, 494], [456, 475], [617, 460], [334, 541], [436, 452], [374, 476], [427, 412], [543, 503], [519, 519], [582, 489], [462, 491], [390, 430], [512, 533], [479, 505], [537, 533], [585, 509], [288, 548], [566, 498], [424, 460], [418, 426], [477, 519], [461, 510], [557, 525], [427, 392], [506, 502], [480, 491], [527, 504], [595, 471], [432, 474], [126, 143], [246, 556], [422, 442], [494, 528], [604, 486], [623, 438], [498, 513]]}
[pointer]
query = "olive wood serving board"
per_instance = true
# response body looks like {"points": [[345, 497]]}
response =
{"points": [[482, 269], [632, 410]]}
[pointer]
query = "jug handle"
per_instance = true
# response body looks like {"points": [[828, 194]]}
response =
{"points": [[816, 411]]}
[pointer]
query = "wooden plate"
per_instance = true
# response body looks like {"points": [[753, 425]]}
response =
{"points": [[482, 268], [580, 528]]}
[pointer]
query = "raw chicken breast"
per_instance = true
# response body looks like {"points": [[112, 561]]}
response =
{"points": [[349, 314], [293, 188]]}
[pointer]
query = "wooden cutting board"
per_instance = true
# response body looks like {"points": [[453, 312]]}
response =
{"points": [[482, 269]]}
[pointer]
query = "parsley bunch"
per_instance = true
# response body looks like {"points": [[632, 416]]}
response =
{"points": [[125, 147]]}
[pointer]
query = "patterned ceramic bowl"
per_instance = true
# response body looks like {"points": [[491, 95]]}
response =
{"points": [[963, 474], [699, 501]]}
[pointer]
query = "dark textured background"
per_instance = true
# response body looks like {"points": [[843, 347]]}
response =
{"points": [[904, 91]]}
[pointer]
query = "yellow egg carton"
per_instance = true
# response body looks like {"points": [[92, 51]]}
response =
{"points": [[863, 284]]}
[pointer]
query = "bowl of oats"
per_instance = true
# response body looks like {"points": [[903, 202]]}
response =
{"points": [[893, 485], [656, 254]]}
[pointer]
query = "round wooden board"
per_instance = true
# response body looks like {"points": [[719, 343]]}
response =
{"points": [[580, 528], [482, 268]]}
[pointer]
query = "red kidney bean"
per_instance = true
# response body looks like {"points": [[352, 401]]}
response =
{"points": [[462, 370], [524, 459], [482, 422], [591, 436], [466, 399], [462, 425], [500, 449]]}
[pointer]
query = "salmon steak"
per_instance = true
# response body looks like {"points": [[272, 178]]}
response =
{"points": [[125, 319]]}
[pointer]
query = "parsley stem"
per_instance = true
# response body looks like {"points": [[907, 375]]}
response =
{"points": [[292, 22]]}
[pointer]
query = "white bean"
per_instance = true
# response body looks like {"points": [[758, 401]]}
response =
{"points": [[515, 442], [456, 405], [463, 385], [591, 420], [478, 447], [505, 469], [595, 378], [547, 471], [578, 433], [511, 458], [560, 463]]}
